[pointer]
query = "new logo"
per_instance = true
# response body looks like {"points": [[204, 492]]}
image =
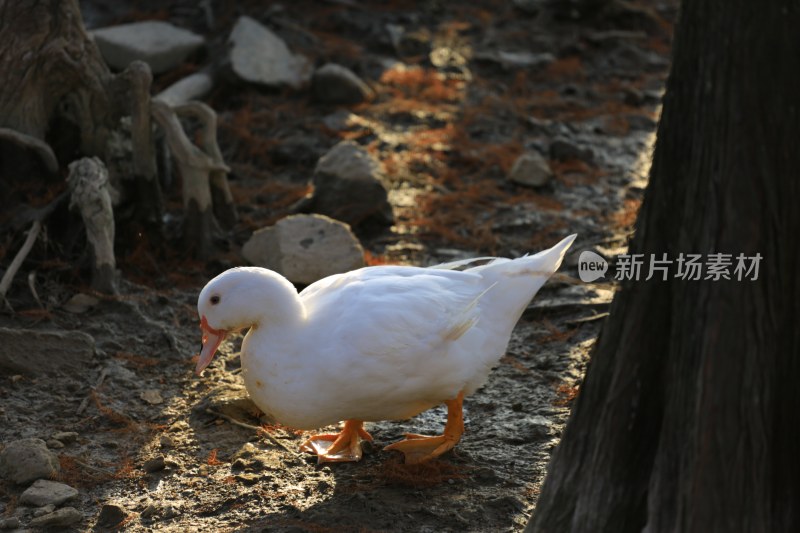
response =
{"points": [[591, 266]]}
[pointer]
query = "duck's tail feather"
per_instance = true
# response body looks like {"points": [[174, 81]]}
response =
{"points": [[515, 282], [544, 263]]}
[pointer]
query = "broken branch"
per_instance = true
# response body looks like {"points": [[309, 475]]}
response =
{"points": [[8, 277]]}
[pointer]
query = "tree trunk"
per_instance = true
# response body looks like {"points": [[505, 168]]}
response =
{"points": [[686, 418]]}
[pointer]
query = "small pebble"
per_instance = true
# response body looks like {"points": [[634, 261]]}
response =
{"points": [[172, 464], [167, 441], [155, 464], [65, 436], [54, 444], [149, 511], [111, 514], [171, 511], [247, 479]]}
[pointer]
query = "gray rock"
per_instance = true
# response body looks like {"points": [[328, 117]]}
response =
{"points": [[515, 60], [150, 510], [159, 44], [34, 352], [171, 511], [305, 248], [26, 460], [155, 464], [251, 458], [111, 514], [66, 516], [247, 451], [10, 523], [347, 187], [335, 84], [562, 150], [80, 303], [47, 509], [531, 169], [259, 56], [528, 430], [46, 492]]}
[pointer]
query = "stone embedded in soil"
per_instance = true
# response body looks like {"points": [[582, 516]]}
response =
{"points": [[531, 169], [46, 492], [150, 510], [528, 430], [230, 400], [10, 523], [516, 60], [259, 56], [152, 396], [66, 516], [80, 303], [111, 514], [305, 248], [247, 450], [54, 444], [26, 460], [247, 479], [37, 352], [335, 84], [251, 458], [155, 464], [347, 187], [159, 44], [562, 150]]}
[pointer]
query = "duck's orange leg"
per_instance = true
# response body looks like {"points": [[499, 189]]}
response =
{"points": [[419, 448], [338, 447]]}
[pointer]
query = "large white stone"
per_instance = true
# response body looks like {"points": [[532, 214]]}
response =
{"points": [[305, 248], [159, 44], [45, 492], [26, 460], [260, 56]]}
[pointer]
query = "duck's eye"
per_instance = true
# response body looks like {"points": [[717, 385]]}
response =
{"points": [[214, 299]]}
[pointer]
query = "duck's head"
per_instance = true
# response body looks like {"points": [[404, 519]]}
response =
{"points": [[240, 298]]}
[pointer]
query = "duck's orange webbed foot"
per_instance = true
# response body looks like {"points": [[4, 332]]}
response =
{"points": [[420, 448], [338, 447]]}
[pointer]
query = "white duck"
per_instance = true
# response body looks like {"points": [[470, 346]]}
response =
{"points": [[378, 343]]}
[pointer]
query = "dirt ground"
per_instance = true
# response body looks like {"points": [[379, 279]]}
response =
{"points": [[454, 107]]}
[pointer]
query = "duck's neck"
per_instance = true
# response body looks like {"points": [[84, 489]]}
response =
{"points": [[274, 304]]}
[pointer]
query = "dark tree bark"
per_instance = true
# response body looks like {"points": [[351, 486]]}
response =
{"points": [[688, 415], [59, 101]]}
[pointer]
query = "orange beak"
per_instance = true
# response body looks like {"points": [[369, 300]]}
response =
{"points": [[212, 338]]}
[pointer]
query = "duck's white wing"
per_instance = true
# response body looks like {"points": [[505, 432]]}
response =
{"points": [[394, 331], [399, 304]]}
